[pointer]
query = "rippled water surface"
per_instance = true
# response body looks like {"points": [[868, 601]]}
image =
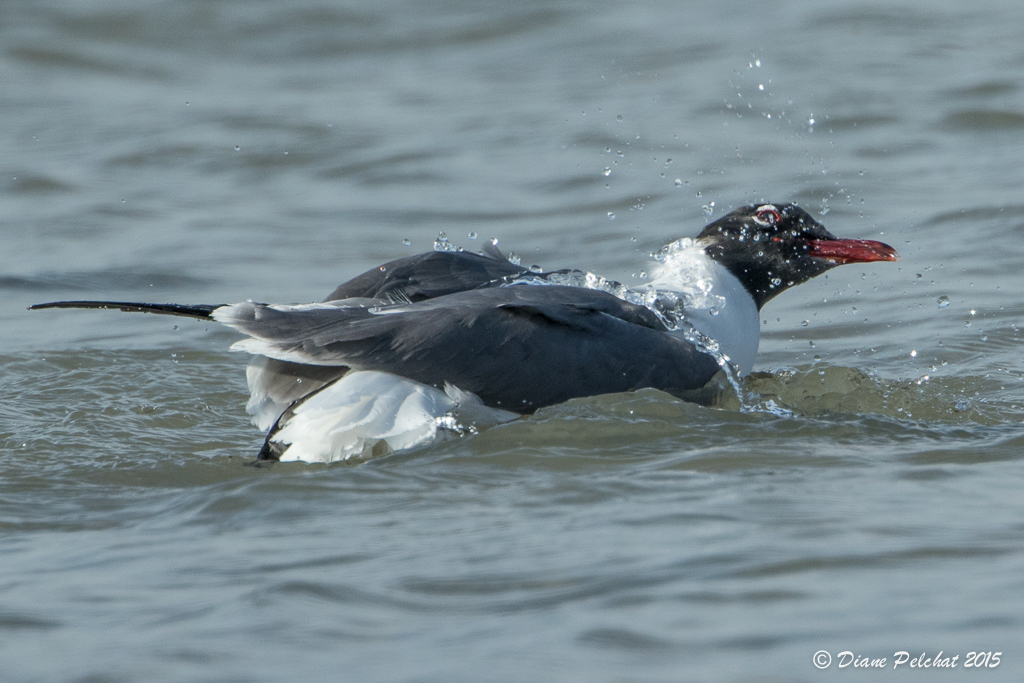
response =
{"points": [[865, 497]]}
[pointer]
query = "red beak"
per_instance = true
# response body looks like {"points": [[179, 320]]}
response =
{"points": [[852, 251]]}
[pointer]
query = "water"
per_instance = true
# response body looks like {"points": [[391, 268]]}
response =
{"points": [[213, 152]]}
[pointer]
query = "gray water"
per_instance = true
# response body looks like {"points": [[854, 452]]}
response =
{"points": [[209, 152]]}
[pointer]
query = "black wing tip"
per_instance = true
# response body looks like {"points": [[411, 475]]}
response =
{"points": [[200, 311], [80, 304], [52, 304]]}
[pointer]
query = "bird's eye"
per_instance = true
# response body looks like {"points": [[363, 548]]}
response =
{"points": [[767, 216]]}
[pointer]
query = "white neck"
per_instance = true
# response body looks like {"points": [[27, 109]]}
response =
{"points": [[715, 302]]}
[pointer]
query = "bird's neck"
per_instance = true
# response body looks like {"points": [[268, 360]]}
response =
{"points": [[713, 300]]}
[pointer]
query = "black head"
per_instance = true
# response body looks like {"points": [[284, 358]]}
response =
{"points": [[772, 247]]}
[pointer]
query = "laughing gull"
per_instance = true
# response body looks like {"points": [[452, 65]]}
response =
{"points": [[452, 339]]}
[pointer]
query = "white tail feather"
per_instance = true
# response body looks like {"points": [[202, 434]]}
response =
{"points": [[364, 408]]}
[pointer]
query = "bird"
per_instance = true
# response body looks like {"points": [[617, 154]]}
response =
{"points": [[452, 340]]}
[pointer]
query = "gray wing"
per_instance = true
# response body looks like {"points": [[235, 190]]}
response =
{"points": [[518, 348], [426, 276], [276, 384]]}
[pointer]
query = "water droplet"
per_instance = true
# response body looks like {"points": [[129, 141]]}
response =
{"points": [[643, 274], [714, 311], [619, 118], [810, 121], [805, 323], [960, 406], [406, 242], [536, 269], [760, 86], [441, 243], [913, 353], [943, 301], [817, 357], [607, 171], [611, 215], [679, 182], [812, 344], [633, 238], [708, 209], [472, 235], [237, 148], [776, 281], [607, 150], [757, 63]]}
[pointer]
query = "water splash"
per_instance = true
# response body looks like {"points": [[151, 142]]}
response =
{"points": [[450, 422], [442, 243], [748, 402]]}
